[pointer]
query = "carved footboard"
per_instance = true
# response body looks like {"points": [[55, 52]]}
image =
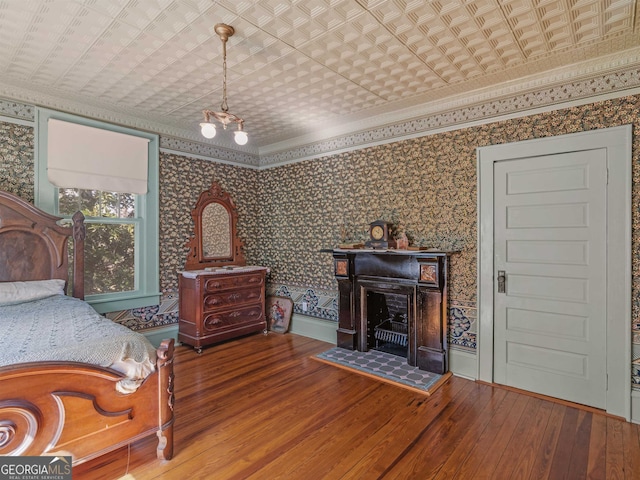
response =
{"points": [[74, 409]]}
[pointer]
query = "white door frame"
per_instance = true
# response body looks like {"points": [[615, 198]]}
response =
{"points": [[618, 142]]}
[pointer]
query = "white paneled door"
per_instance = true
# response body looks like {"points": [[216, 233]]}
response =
{"points": [[550, 294]]}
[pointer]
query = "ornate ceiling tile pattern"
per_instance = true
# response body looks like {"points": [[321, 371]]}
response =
{"points": [[295, 67]]}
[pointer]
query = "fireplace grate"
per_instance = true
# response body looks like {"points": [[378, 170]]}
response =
{"points": [[391, 332]]}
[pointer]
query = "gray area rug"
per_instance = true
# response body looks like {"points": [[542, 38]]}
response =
{"points": [[384, 366]]}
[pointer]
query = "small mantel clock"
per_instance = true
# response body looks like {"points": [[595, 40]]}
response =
{"points": [[379, 235]]}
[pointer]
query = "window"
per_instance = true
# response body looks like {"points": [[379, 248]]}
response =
{"points": [[121, 247]]}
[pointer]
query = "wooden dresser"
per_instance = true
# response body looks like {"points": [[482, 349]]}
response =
{"points": [[217, 305]]}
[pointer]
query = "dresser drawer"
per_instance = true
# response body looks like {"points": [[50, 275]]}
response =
{"points": [[221, 305], [229, 298], [216, 321], [214, 284]]}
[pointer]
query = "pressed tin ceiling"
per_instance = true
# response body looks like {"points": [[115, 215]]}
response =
{"points": [[298, 70]]}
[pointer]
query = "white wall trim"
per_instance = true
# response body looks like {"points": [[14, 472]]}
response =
{"points": [[635, 406], [180, 153], [618, 141], [463, 364], [156, 335], [316, 328], [17, 121]]}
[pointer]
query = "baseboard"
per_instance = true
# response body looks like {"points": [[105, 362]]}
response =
{"points": [[635, 406], [463, 364], [156, 335], [316, 328], [323, 330]]}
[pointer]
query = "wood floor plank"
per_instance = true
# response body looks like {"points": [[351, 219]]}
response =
{"points": [[560, 463], [430, 451], [631, 447], [501, 457], [520, 437], [615, 449], [597, 463], [531, 446], [260, 408], [374, 453], [542, 464], [238, 436], [406, 463], [474, 428], [486, 449], [312, 457], [580, 451]]}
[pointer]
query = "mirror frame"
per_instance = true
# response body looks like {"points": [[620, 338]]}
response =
{"points": [[195, 258]]}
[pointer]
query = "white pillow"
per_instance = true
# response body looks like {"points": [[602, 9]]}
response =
{"points": [[19, 292]]}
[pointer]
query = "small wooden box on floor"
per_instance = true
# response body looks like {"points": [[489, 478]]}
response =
{"points": [[222, 304]]}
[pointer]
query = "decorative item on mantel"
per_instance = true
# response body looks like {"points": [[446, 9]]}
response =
{"points": [[208, 129], [351, 246], [382, 234], [402, 242]]}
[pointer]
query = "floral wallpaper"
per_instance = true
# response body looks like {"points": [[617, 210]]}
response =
{"points": [[426, 184], [429, 184], [182, 179], [288, 214], [16, 160]]}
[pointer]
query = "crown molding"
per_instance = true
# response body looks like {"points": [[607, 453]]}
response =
{"points": [[613, 75], [20, 102], [206, 151]]}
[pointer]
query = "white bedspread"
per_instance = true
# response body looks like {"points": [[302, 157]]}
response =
{"points": [[65, 328]]}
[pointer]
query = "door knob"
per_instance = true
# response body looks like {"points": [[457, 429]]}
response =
{"points": [[502, 280]]}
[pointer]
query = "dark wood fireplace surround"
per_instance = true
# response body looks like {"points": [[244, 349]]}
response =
{"points": [[420, 276]]}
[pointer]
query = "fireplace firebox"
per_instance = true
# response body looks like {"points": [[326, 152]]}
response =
{"points": [[394, 301]]}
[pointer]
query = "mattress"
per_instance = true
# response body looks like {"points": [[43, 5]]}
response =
{"points": [[62, 328]]}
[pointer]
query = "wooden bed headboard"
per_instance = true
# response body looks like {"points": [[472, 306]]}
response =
{"points": [[33, 246]]}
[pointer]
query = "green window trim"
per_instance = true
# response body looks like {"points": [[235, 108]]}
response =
{"points": [[147, 263]]}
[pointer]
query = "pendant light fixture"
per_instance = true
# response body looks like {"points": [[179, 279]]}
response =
{"points": [[207, 128]]}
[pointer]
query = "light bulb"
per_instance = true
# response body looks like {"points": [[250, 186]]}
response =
{"points": [[208, 130], [241, 137]]}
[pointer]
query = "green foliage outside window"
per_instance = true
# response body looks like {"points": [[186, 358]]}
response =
{"points": [[110, 243]]}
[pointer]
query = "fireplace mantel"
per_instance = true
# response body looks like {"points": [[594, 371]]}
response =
{"points": [[421, 276]]}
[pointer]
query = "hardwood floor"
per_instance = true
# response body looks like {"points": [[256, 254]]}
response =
{"points": [[261, 408]]}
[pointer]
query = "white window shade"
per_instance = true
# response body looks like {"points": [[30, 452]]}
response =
{"points": [[79, 156]]}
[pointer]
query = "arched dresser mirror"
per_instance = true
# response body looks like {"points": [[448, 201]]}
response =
{"points": [[220, 296], [215, 242]]}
